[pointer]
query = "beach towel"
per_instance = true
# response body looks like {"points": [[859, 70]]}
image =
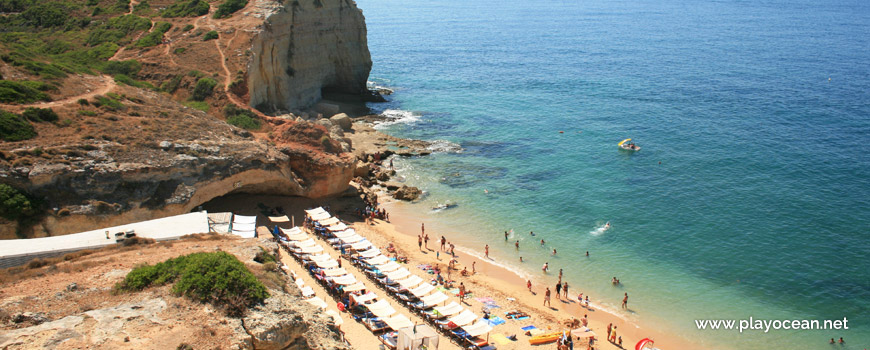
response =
{"points": [[495, 321], [528, 328], [491, 305], [485, 300], [500, 339]]}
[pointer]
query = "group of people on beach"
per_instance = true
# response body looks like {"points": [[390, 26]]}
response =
{"points": [[371, 212]]}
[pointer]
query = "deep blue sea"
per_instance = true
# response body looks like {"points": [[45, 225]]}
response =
{"points": [[750, 196]]}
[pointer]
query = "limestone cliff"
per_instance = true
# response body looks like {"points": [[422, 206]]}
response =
{"points": [[306, 47]]}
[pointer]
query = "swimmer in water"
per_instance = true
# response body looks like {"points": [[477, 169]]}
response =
{"points": [[607, 225]]}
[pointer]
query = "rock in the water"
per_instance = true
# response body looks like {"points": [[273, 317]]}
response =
{"points": [[392, 186], [342, 120], [407, 193], [383, 176]]}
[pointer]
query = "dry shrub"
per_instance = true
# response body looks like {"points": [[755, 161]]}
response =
{"points": [[137, 241], [37, 263], [78, 254]]}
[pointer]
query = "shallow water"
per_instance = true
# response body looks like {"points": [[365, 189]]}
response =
{"points": [[749, 197]]}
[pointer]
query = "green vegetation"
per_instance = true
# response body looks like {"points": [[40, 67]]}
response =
{"points": [[228, 7], [45, 15], [14, 128], [109, 102], [203, 89], [40, 114], [200, 105], [15, 204], [264, 257], [187, 28], [128, 67], [142, 8], [23, 91], [116, 29], [171, 85], [217, 277], [210, 36], [126, 80], [186, 8], [179, 50], [240, 117], [155, 37]]}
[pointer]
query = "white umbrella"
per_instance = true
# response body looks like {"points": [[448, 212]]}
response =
{"points": [[381, 309], [398, 322], [345, 280], [451, 309], [327, 264], [480, 327], [355, 287], [422, 290], [398, 274], [389, 266], [335, 272], [328, 221], [465, 317], [410, 282], [370, 253], [378, 260], [434, 299]]}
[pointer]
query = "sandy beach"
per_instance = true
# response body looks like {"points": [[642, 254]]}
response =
{"points": [[490, 281]]}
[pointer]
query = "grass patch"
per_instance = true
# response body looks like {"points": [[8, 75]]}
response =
{"points": [[200, 105], [155, 37], [217, 277], [110, 102], [23, 91], [14, 128]]}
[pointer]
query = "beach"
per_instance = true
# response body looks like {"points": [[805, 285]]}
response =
{"points": [[490, 281]]}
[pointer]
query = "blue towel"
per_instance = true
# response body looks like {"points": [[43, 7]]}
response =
{"points": [[495, 321], [528, 328]]}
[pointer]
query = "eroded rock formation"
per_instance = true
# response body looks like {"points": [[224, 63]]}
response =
{"points": [[305, 47]]}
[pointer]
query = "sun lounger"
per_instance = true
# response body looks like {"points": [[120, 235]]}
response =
{"points": [[307, 292], [375, 324], [390, 339]]}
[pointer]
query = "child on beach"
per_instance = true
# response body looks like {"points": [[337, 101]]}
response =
{"points": [[529, 286]]}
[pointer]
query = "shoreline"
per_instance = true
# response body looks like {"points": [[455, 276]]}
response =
{"points": [[497, 279]]}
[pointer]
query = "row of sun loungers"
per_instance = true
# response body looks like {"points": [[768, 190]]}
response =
{"points": [[418, 295]]}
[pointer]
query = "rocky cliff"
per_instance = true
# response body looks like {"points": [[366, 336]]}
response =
{"points": [[306, 47]]}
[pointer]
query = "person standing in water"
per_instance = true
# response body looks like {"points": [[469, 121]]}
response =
{"points": [[625, 301], [545, 267], [505, 235], [486, 251], [517, 244]]}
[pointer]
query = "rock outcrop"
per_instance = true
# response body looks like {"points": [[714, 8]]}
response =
{"points": [[407, 193], [305, 48]]}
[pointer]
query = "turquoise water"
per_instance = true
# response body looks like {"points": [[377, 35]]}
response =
{"points": [[749, 197]]}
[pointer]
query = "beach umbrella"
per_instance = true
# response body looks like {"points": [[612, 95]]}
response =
{"points": [[645, 343]]}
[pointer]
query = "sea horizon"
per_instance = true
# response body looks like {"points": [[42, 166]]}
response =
{"points": [[748, 197]]}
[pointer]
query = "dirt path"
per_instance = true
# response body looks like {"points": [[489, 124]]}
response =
{"points": [[231, 96], [133, 4], [107, 85]]}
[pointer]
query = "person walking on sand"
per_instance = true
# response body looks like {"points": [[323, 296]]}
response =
{"points": [[443, 242], [585, 320], [426, 241], [547, 297], [461, 292], [486, 251], [420, 242], [613, 335], [422, 228], [529, 286], [565, 289], [473, 269], [609, 330], [559, 290], [625, 301]]}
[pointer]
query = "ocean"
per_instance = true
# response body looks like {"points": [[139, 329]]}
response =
{"points": [[748, 198]]}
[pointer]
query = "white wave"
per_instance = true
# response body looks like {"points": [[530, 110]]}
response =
{"points": [[515, 270], [598, 231], [397, 116], [444, 146]]}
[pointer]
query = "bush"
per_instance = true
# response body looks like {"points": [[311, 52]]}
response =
{"points": [[171, 85], [128, 67], [210, 36], [155, 37], [228, 7], [15, 128], [264, 257], [45, 15], [109, 103], [186, 8], [22, 91], [187, 28], [240, 117], [217, 277], [39, 114], [203, 89], [14, 204]]}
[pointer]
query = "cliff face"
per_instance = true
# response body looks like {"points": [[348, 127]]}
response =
{"points": [[304, 47]]}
